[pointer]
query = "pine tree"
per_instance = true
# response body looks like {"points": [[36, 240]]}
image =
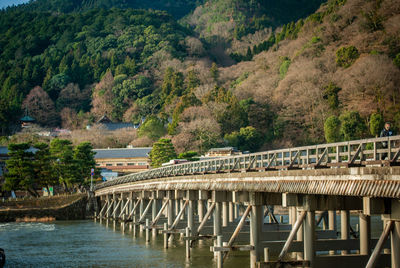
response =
{"points": [[163, 151]]}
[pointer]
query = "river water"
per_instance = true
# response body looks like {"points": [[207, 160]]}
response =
{"points": [[94, 244], [89, 244]]}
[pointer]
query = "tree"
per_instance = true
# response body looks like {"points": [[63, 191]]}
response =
{"points": [[332, 129], [84, 161], [352, 126], [72, 97], [41, 107], [64, 164], [102, 98], [376, 124], [214, 71], [198, 130], [45, 174], [162, 151], [153, 128], [331, 95], [20, 174], [189, 155], [247, 139], [346, 56]]}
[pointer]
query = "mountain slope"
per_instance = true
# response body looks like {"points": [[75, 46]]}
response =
{"points": [[345, 58], [178, 8]]}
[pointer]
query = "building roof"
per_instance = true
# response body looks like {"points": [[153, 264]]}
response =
{"points": [[116, 126], [104, 119], [223, 149], [4, 150], [27, 118], [122, 152]]}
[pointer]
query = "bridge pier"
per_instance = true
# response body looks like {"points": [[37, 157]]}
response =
{"points": [[305, 193], [345, 227], [256, 223]]}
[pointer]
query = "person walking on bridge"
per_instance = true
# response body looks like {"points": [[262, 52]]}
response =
{"points": [[386, 132]]}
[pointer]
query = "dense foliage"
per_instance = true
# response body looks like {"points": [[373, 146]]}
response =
{"points": [[162, 151], [178, 8], [302, 77], [30, 168], [53, 50]]}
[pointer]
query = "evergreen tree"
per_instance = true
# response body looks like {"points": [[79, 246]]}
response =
{"points": [[376, 124], [21, 174], [44, 171], [64, 164], [332, 129], [84, 161], [162, 151]]}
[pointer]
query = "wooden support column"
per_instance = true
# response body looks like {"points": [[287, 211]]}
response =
{"points": [[170, 217], [217, 221], [181, 205], [309, 237], [130, 206], [154, 210], [224, 214], [345, 226], [170, 214], [365, 234], [395, 234], [231, 212], [395, 244], [191, 196], [309, 205], [114, 204], [141, 207], [300, 235], [122, 205], [256, 223], [332, 220], [332, 225], [200, 209]]}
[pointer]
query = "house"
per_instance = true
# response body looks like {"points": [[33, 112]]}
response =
{"points": [[105, 123], [123, 160]]}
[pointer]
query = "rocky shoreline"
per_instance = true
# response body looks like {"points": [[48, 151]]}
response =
{"points": [[66, 210]]}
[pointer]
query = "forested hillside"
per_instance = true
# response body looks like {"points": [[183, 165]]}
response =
{"points": [[252, 74], [178, 8], [65, 54]]}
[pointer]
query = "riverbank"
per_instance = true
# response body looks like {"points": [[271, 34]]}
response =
{"points": [[63, 207]]}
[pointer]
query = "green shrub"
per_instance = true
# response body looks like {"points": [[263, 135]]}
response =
{"points": [[332, 129], [376, 124], [346, 56], [284, 67], [396, 60], [331, 95], [352, 126]]}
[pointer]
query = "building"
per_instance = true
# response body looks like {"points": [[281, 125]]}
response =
{"points": [[106, 124], [123, 160]]}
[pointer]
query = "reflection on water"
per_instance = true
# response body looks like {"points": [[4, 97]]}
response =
{"points": [[106, 244], [89, 244]]}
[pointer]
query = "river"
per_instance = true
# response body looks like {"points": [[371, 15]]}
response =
{"points": [[89, 244], [94, 244]]}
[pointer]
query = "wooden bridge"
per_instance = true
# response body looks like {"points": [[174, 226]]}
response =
{"points": [[231, 201]]}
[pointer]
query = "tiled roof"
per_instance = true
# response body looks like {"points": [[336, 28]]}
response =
{"points": [[116, 126], [223, 149], [122, 152], [4, 150]]}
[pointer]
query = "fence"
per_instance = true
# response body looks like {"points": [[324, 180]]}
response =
{"points": [[352, 153]]}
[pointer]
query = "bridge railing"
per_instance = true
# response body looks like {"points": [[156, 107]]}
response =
{"points": [[350, 153]]}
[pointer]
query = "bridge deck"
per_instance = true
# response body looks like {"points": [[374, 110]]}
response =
{"points": [[362, 181]]}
